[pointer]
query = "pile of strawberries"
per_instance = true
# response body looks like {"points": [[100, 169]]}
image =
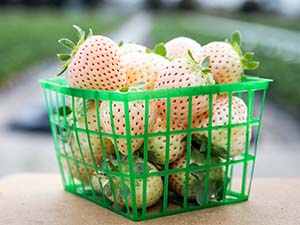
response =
{"points": [[98, 63]]}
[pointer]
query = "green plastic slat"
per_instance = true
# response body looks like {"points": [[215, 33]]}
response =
{"points": [[61, 91]]}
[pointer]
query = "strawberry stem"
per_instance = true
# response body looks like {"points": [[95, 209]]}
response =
{"points": [[71, 46]]}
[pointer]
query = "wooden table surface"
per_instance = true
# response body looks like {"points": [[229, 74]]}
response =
{"points": [[39, 199]]}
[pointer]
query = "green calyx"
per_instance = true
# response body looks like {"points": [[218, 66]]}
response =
{"points": [[203, 67], [159, 49], [216, 185], [70, 45], [112, 163], [246, 59], [201, 143]]}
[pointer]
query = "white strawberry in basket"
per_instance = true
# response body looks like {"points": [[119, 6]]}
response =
{"points": [[184, 72], [143, 67], [220, 113], [72, 150], [90, 144], [178, 47], [128, 48], [136, 112], [227, 63], [94, 63], [196, 178], [157, 145]]}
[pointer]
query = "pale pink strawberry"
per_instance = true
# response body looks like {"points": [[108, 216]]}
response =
{"points": [[178, 47], [183, 72], [97, 65], [128, 48], [220, 113], [225, 62], [157, 145], [83, 157], [94, 62], [143, 67], [84, 146], [136, 112]]}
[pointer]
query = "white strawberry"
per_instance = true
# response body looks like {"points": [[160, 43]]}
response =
{"points": [[88, 143], [136, 112], [157, 145], [220, 113], [184, 72], [154, 184], [143, 67], [128, 48], [196, 178], [227, 63], [178, 47], [82, 152], [94, 63]]}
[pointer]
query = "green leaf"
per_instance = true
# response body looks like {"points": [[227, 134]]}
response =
{"points": [[107, 190], [139, 168], [210, 79], [160, 49], [237, 48], [64, 110], [200, 198], [148, 50], [102, 165], [219, 151], [90, 34], [124, 89], [190, 54], [67, 43], [197, 156], [205, 63], [120, 43], [203, 147], [175, 198], [63, 69], [206, 71], [151, 156], [125, 194], [113, 160], [199, 174], [236, 37], [80, 32], [252, 65], [248, 56], [63, 57]]}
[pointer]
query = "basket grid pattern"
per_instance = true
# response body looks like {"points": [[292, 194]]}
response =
{"points": [[56, 96]]}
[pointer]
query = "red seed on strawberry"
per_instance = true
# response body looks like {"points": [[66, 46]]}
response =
{"points": [[227, 63], [94, 63], [136, 113], [157, 145], [184, 72], [220, 114]]}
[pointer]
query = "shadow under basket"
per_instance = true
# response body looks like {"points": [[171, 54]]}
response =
{"points": [[92, 167]]}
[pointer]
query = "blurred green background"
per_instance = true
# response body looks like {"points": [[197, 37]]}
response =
{"points": [[28, 36], [29, 30]]}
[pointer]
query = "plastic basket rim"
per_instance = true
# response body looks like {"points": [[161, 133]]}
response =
{"points": [[249, 83]]}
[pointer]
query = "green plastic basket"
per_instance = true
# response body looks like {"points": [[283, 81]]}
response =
{"points": [[238, 171]]}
